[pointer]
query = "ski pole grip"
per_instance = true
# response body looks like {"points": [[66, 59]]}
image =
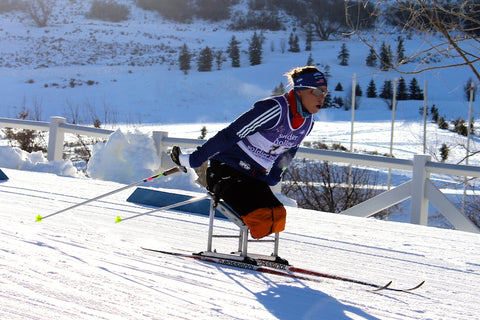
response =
{"points": [[171, 171]]}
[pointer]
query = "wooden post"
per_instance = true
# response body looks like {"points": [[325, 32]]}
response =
{"points": [[55, 139], [419, 205], [161, 148]]}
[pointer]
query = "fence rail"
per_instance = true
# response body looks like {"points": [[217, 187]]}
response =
{"points": [[420, 189], [57, 127]]}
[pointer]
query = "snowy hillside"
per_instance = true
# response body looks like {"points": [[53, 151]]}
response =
{"points": [[81, 265], [128, 72]]}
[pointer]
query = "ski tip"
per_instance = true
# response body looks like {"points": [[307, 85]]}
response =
{"points": [[416, 287], [118, 219], [38, 218], [379, 288]]}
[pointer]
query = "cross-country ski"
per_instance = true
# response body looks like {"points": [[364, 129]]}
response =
{"points": [[285, 270]]}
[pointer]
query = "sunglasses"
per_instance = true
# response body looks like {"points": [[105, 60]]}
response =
{"points": [[317, 92]]}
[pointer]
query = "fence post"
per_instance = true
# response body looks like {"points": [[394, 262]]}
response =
{"points": [[161, 148], [55, 139], [419, 205]]}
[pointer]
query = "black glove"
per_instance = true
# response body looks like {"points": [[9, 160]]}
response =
{"points": [[175, 155]]}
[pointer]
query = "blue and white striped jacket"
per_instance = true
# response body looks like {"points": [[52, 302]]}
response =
{"points": [[260, 143]]}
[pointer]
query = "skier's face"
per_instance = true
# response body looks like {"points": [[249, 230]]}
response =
{"points": [[312, 99]]}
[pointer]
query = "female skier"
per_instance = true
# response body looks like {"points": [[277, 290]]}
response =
{"points": [[251, 154]]}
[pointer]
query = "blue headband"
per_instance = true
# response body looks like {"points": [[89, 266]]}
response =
{"points": [[308, 80]]}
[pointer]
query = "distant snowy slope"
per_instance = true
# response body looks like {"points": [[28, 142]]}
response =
{"points": [[127, 72], [81, 265]]}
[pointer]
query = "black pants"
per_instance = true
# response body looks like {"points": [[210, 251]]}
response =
{"points": [[242, 193]]}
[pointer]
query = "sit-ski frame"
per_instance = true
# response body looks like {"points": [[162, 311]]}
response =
{"points": [[243, 240]]}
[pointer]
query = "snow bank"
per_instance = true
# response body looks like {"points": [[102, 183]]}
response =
{"points": [[125, 158], [15, 158], [128, 157]]}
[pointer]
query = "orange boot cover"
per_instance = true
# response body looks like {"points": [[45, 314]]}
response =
{"points": [[265, 221]]}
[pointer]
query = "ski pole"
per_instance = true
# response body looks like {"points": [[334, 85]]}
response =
{"points": [[39, 218], [170, 206]]}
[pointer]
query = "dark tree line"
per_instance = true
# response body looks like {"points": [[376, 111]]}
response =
{"points": [[186, 10], [207, 55], [322, 19]]}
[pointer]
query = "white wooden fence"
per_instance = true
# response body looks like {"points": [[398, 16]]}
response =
{"points": [[57, 127], [420, 189]]}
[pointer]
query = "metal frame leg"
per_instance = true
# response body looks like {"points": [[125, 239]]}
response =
{"points": [[210, 226], [276, 244], [243, 241], [243, 236]]}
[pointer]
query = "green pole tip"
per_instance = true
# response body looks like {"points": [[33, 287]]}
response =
{"points": [[38, 218], [118, 219]]}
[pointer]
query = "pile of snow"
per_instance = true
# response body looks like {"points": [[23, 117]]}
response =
{"points": [[130, 156], [125, 157], [15, 158]]}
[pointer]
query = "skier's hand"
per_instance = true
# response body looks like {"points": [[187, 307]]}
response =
{"points": [[181, 160]]}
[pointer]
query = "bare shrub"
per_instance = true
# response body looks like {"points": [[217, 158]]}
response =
{"points": [[39, 10], [473, 212], [324, 187], [26, 139]]}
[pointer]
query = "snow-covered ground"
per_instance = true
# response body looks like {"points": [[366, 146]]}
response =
{"points": [[81, 265]]}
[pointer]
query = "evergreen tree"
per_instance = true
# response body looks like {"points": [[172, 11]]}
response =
{"points": [[468, 88], [339, 87], [385, 57], [444, 150], [205, 59], [371, 90], [219, 59], [415, 93], [358, 90], [296, 42], [279, 90], [309, 38], [442, 123], [203, 133], [294, 46], [387, 90], [255, 50], [460, 127], [371, 60], [327, 102], [344, 55], [234, 52], [310, 60], [402, 93], [184, 59], [400, 50], [338, 102], [326, 71], [434, 112]]}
